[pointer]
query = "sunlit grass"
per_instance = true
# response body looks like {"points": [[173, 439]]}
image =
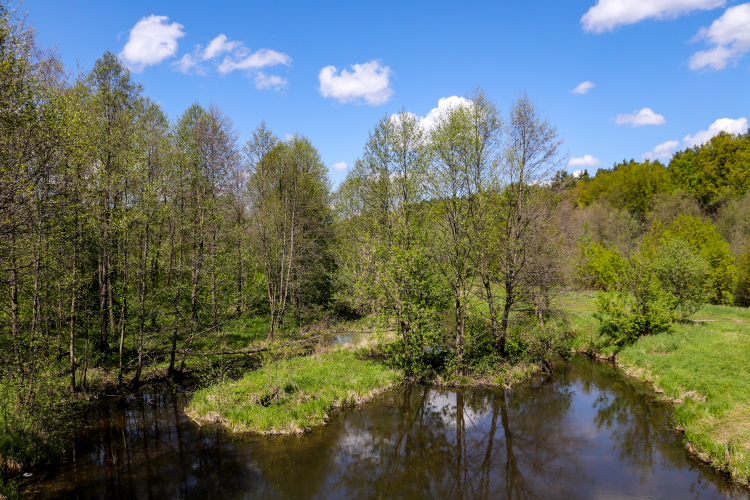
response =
{"points": [[703, 366], [291, 396]]}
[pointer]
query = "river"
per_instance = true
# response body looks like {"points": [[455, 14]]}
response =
{"points": [[584, 432]]}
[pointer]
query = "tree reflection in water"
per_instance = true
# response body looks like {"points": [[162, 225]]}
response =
{"points": [[585, 432]]}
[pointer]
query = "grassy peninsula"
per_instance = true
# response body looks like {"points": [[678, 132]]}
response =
{"points": [[291, 396]]}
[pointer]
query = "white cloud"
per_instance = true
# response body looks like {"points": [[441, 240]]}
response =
{"points": [[247, 60], [238, 57], [263, 81], [728, 125], [444, 104], [584, 161], [606, 15], [151, 40], [730, 35], [288, 137], [187, 63], [369, 82], [640, 118], [663, 150], [578, 173], [218, 46], [340, 166], [583, 88]]}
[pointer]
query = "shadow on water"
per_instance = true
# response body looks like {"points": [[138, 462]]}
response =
{"points": [[583, 432]]}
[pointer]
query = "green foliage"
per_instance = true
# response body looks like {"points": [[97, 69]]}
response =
{"points": [[9, 491], [705, 241], [34, 419], [742, 286], [631, 186], [637, 306], [684, 275], [708, 170], [601, 267]]}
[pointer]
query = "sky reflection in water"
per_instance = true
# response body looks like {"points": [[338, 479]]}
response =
{"points": [[586, 432]]}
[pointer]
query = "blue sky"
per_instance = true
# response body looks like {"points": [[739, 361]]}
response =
{"points": [[665, 73]]}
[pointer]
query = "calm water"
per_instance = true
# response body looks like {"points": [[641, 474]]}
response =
{"points": [[584, 432]]}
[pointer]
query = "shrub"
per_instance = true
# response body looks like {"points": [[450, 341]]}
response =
{"points": [[684, 275]]}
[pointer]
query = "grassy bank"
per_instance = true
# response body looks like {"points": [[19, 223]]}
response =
{"points": [[701, 367], [291, 396]]}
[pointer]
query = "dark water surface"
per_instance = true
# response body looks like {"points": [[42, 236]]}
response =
{"points": [[585, 432]]}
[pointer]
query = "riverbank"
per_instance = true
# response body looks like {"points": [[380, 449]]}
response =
{"points": [[702, 368], [292, 396]]}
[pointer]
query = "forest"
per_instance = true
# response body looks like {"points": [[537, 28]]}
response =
{"points": [[133, 245]]}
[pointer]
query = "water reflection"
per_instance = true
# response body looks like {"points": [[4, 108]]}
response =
{"points": [[584, 432]]}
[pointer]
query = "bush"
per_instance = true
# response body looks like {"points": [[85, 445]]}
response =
{"points": [[33, 420], [684, 275], [742, 286], [639, 305]]}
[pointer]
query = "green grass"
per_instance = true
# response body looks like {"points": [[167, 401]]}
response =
{"points": [[292, 396], [701, 366], [246, 331], [8, 490]]}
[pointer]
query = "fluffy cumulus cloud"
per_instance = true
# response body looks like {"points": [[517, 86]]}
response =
{"points": [[584, 161], [663, 150], [151, 40], [188, 63], [218, 46], [606, 15], [340, 166], [583, 88], [369, 82], [728, 125], [646, 116], [730, 37]]}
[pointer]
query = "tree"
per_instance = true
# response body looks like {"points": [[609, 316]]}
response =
{"points": [[289, 196], [706, 171], [111, 107], [630, 186], [383, 219], [531, 156], [705, 241], [684, 275], [454, 194]]}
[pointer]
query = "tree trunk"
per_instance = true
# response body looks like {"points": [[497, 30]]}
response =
{"points": [[14, 315], [500, 341], [493, 309], [73, 320], [123, 311], [142, 308], [102, 302]]}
